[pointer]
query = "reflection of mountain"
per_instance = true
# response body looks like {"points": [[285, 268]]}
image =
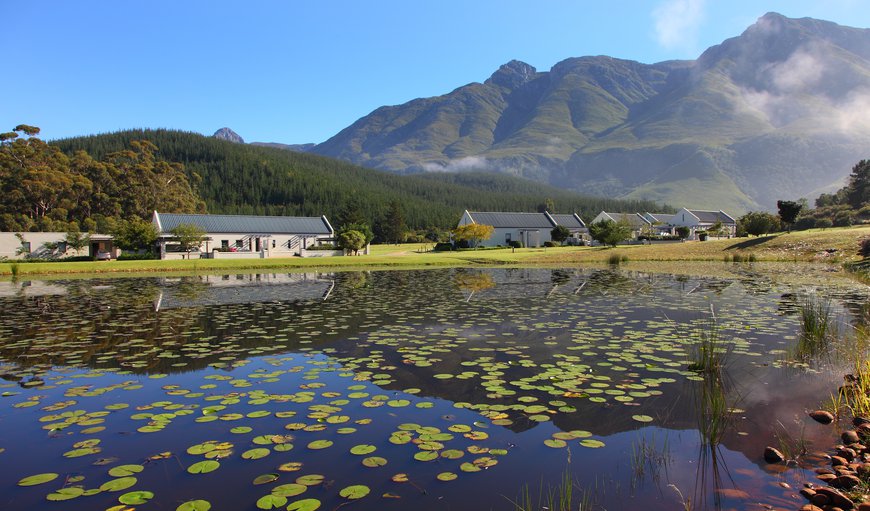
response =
{"points": [[209, 290], [527, 336]]}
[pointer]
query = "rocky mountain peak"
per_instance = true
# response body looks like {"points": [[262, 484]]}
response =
{"points": [[229, 135], [513, 74]]}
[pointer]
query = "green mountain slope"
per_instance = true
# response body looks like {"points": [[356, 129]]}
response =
{"points": [[778, 112], [247, 179]]}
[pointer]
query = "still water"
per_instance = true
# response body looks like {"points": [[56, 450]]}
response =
{"points": [[428, 390]]}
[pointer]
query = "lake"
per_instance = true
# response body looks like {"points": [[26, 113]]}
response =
{"points": [[428, 390]]}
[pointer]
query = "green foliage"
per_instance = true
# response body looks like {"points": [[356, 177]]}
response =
{"points": [[45, 189], [188, 236], [788, 211], [76, 240], [560, 233], [245, 179], [683, 232], [757, 223], [858, 189], [351, 240], [473, 234], [392, 226], [134, 234], [608, 232]]}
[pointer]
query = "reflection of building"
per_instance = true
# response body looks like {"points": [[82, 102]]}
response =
{"points": [[245, 236], [208, 290]]}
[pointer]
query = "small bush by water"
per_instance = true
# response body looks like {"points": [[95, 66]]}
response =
{"points": [[617, 259]]}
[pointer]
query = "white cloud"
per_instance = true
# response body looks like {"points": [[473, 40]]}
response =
{"points": [[459, 165], [677, 23]]}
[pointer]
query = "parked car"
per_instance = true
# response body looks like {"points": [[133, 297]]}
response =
{"points": [[103, 256]]}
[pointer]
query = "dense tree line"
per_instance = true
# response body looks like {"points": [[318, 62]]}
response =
{"points": [[245, 179], [46, 189], [103, 182]]}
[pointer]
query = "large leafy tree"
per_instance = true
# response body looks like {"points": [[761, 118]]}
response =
{"points": [[352, 241], [858, 189], [560, 233], [757, 223], [608, 232], [393, 225], [134, 234], [788, 211], [188, 236]]}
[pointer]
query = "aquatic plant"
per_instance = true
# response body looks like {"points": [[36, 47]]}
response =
{"points": [[818, 328], [708, 351], [560, 497], [647, 458], [792, 447], [14, 268]]}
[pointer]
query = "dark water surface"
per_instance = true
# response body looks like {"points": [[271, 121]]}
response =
{"points": [[500, 382]]}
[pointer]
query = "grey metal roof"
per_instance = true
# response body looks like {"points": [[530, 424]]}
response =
{"points": [[665, 218], [633, 219], [569, 221], [510, 220], [711, 217], [246, 224]]}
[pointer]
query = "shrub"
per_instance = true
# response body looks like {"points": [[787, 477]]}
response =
{"points": [[842, 219], [325, 246], [442, 247], [137, 257], [803, 223], [516, 244], [864, 250], [550, 244]]}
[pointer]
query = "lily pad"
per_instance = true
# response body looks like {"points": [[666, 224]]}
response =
{"points": [[38, 479], [304, 505], [136, 497], [271, 501], [118, 484], [204, 467], [194, 505], [125, 470], [354, 492]]}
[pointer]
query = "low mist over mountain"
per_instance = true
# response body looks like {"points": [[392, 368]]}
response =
{"points": [[779, 112]]}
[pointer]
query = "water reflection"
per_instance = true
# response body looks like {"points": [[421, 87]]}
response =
{"points": [[527, 353]]}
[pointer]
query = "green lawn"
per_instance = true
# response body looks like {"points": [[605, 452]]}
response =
{"points": [[829, 245]]}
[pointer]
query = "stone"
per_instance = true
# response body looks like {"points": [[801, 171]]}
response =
{"points": [[810, 507], [822, 416], [820, 500], [847, 481], [807, 493], [772, 455], [827, 477], [850, 437], [837, 498], [838, 460]]}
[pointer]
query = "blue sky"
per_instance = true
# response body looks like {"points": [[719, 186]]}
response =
{"points": [[300, 71]]}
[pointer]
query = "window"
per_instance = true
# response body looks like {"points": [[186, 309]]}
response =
{"points": [[25, 247], [273, 243], [225, 245], [507, 238], [238, 243]]}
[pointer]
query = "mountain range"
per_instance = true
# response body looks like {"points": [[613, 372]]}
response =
{"points": [[781, 111]]}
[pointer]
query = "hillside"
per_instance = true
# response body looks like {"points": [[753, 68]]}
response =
{"points": [[246, 179], [779, 112]]}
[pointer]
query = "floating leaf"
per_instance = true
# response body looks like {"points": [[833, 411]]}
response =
{"points": [[446, 476], [592, 443], [354, 492], [125, 470], [204, 467], [65, 494], [320, 444], [271, 501], [310, 479], [363, 449], [255, 454], [374, 461], [118, 484], [265, 478], [136, 497], [642, 418], [37, 479], [289, 490], [304, 505], [194, 505]]}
